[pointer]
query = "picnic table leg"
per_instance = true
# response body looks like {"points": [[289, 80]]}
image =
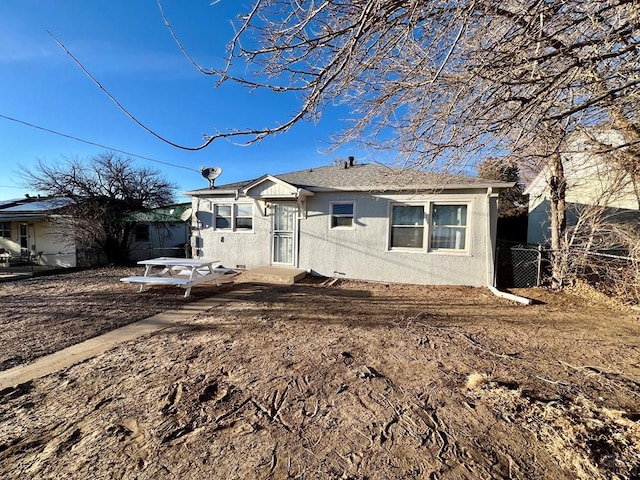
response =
{"points": [[147, 272], [215, 276], [187, 291]]}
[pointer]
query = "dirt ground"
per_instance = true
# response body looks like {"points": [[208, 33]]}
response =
{"points": [[352, 381]]}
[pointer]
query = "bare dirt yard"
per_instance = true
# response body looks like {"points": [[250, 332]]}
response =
{"points": [[352, 381]]}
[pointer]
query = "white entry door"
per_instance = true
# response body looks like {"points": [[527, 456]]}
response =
{"points": [[284, 233]]}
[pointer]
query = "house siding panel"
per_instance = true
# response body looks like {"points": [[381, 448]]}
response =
{"points": [[232, 249], [361, 252], [271, 189]]}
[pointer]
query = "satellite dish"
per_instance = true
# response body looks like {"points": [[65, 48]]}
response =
{"points": [[186, 215], [211, 173]]}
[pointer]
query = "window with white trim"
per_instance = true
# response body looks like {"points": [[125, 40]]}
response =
{"points": [[342, 214], [236, 217], [5, 229], [243, 216], [407, 226], [223, 217], [448, 227]]}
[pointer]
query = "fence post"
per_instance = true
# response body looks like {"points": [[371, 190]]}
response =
{"points": [[538, 279]]}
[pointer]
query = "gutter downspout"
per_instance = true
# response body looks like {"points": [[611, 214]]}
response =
{"points": [[491, 275], [302, 206]]}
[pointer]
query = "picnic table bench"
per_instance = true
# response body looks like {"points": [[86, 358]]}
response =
{"points": [[181, 272]]}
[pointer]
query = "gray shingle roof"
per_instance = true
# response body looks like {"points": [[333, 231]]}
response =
{"points": [[369, 176]]}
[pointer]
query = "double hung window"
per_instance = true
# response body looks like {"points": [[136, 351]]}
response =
{"points": [[448, 227], [243, 216], [237, 217], [443, 225], [407, 226]]}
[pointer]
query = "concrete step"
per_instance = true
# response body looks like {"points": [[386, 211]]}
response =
{"points": [[275, 275]]}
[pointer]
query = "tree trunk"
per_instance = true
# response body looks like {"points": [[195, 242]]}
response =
{"points": [[558, 187]]}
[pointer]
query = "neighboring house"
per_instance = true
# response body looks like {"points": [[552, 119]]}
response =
{"points": [[28, 232], [593, 179], [160, 232], [368, 222]]}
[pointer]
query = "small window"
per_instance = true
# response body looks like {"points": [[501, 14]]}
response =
{"points": [[5, 229], [142, 232], [223, 216], [448, 227], [342, 215], [234, 217], [407, 226], [243, 217]]}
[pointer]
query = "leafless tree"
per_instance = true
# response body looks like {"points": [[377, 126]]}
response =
{"points": [[99, 193], [440, 82], [603, 242], [443, 84]]}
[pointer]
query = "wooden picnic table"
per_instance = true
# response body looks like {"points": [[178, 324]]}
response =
{"points": [[181, 272]]}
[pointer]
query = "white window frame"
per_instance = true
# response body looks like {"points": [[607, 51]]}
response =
{"points": [[428, 227], [424, 206], [233, 217], [216, 215], [236, 216], [352, 216], [466, 227]]}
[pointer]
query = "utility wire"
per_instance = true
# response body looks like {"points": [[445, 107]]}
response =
{"points": [[94, 143], [207, 142]]}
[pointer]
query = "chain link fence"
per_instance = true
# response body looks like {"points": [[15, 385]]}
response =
{"points": [[612, 272], [520, 265]]}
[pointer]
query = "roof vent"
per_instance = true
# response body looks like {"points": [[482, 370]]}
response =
{"points": [[351, 161]]}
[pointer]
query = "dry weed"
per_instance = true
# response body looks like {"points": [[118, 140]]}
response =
{"points": [[475, 380]]}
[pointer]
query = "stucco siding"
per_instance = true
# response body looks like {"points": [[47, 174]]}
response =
{"points": [[233, 249], [363, 252], [359, 252]]}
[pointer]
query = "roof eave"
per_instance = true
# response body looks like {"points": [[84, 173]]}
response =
{"points": [[210, 191], [414, 188]]}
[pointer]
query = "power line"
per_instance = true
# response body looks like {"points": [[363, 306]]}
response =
{"points": [[94, 143], [207, 142]]}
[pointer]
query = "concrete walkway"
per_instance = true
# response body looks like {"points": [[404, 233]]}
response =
{"points": [[95, 346]]}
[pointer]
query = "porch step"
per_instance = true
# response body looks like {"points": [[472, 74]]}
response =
{"points": [[284, 276]]}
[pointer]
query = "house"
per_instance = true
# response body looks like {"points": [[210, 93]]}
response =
{"points": [[593, 179], [160, 232], [358, 221], [28, 233]]}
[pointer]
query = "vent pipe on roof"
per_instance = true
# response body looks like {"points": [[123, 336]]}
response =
{"points": [[351, 160]]}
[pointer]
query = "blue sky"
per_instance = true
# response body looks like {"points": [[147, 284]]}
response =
{"points": [[127, 47]]}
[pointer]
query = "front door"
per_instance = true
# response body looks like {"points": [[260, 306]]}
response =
{"points": [[284, 233]]}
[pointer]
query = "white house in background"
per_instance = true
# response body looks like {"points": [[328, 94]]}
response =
{"points": [[27, 227], [160, 232], [592, 179], [368, 222]]}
